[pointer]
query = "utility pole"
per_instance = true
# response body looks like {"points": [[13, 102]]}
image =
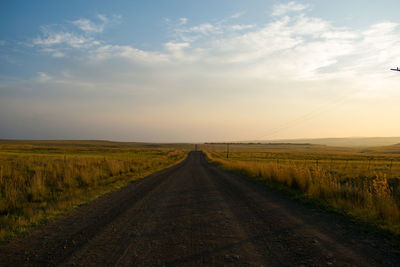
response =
{"points": [[396, 69], [369, 162]]}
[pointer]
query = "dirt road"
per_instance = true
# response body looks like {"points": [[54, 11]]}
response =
{"points": [[197, 214]]}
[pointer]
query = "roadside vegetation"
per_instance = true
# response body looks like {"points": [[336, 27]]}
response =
{"points": [[41, 180], [362, 183]]}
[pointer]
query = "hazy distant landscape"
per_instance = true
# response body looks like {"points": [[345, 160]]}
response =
{"points": [[345, 142]]}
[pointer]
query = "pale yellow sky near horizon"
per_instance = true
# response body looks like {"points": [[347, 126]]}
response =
{"points": [[291, 74]]}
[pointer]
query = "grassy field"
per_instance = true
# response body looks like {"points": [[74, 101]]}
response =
{"points": [[40, 180], [363, 183]]}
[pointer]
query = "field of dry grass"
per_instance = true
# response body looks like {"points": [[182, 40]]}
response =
{"points": [[363, 183], [40, 180]]}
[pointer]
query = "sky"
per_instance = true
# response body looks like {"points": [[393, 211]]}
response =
{"points": [[199, 71]]}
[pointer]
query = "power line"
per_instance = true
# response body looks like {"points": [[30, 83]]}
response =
{"points": [[313, 113], [309, 115]]}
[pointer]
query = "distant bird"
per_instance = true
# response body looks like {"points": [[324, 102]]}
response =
{"points": [[397, 69]]}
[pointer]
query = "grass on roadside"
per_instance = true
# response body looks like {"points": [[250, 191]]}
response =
{"points": [[38, 183], [371, 196]]}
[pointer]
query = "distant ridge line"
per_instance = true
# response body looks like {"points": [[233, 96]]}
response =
{"points": [[253, 143], [340, 141]]}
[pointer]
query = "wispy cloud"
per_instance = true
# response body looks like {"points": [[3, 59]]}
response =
{"points": [[58, 54], [51, 38], [89, 26], [59, 35], [183, 21], [204, 29], [207, 29], [43, 77], [282, 9], [176, 47], [243, 26], [105, 52], [237, 15]]}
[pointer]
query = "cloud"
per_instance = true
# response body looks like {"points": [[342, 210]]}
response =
{"points": [[105, 19], [58, 54], [194, 33], [183, 21], [282, 9], [237, 15], [377, 48], [50, 38], [176, 50], [89, 26], [43, 77], [61, 42], [65, 35], [174, 47], [3, 42], [204, 29], [240, 27], [105, 52]]}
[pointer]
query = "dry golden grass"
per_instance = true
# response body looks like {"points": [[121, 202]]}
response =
{"points": [[367, 193], [38, 183]]}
